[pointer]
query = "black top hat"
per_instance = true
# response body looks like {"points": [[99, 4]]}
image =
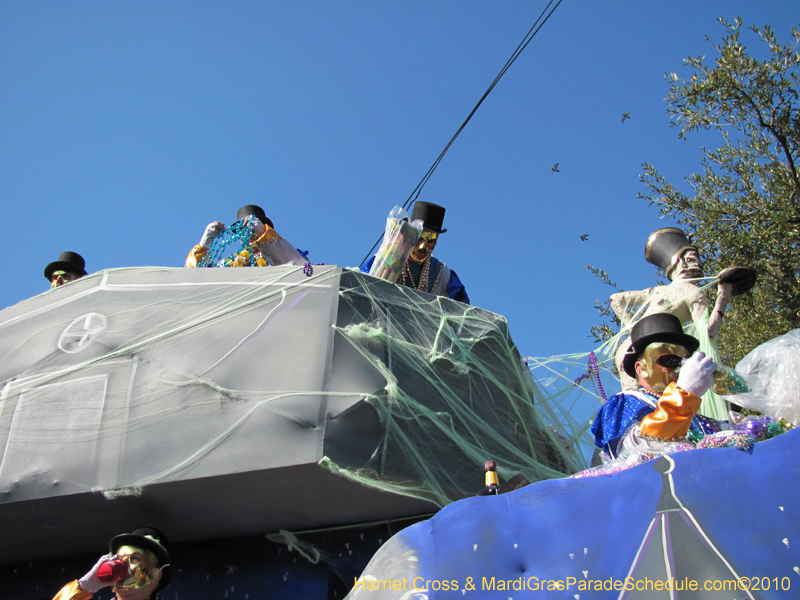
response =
{"points": [[661, 328], [432, 216], [256, 211], [148, 538], [71, 262], [665, 246]]}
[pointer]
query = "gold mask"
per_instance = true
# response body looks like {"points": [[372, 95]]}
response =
{"points": [[424, 247], [59, 278], [656, 376], [143, 566]]}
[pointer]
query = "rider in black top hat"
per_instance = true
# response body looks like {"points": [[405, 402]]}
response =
{"points": [[69, 267], [663, 409], [138, 565], [422, 270], [270, 248]]}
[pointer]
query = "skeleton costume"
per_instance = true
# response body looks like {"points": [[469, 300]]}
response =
{"points": [[670, 250]]}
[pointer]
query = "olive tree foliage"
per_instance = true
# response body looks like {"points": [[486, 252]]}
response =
{"points": [[744, 206]]}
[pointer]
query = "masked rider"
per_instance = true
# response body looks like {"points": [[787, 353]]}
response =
{"points": [[422, 270], [137, 566], [664, 407], [271, 248], [69, 267]]}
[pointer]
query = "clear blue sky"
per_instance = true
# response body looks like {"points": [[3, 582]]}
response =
{"points": [[125, 127]]}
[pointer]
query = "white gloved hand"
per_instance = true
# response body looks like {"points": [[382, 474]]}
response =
{"points": [[212, 232], [258, 227], [90, 582], [697, 374]]}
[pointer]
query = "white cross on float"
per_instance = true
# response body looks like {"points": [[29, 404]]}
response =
{"points": [[81, 332]]}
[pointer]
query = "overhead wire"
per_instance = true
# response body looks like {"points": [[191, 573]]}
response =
{"points": [[522, 45]]}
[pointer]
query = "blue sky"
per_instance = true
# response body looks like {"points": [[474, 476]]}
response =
{"points": [[127, 126]]}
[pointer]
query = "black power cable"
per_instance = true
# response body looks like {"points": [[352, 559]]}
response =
{"points": [[522, 45]]}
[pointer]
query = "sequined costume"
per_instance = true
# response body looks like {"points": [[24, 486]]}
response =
{"points": [[274, 250], [441, 280], [635, 418], [72, 591]]}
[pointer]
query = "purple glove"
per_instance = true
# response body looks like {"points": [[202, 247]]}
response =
{"points": [[90, 582], [212, 231], [697, 374]]}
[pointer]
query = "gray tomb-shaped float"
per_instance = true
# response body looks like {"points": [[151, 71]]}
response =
{"points": [[234, 402]]}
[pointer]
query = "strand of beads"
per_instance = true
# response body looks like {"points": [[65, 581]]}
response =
{"points": [[223, 254], [423, 276], [595, 369]]}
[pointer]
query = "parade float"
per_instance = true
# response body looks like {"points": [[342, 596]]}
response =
{"points": [[321, 407], [709, 514], [283, 423]]}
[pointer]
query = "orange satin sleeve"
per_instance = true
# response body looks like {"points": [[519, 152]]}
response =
{"points": [[269, 236], [674, 414], [72, 591], [196, 255]]}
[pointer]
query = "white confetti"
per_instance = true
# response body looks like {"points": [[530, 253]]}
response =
{"points": [[515, 545], [226, 593], [286, 576], [781, 508], [585, 574], [585, 551], [474, 547], [576, 596], [571, 556], [463, 591], [786, 541], [361, 536], [797, 570], [380, 541]]}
